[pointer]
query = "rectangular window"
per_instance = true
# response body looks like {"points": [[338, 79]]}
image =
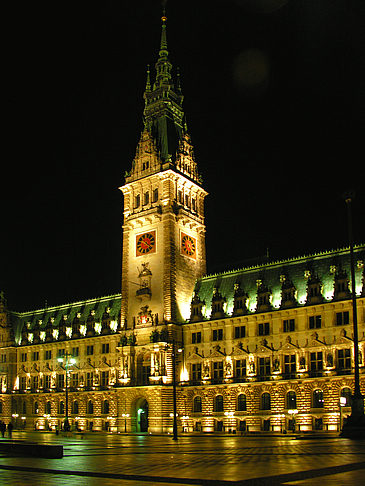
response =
{"points": [[47, 381], [290, 364], [264, 366], [74, 380], [217, 334], [35, 356], [61, 381], [47, 354], [196, 337], [239, 332], [105, 348], [35, 382], [315, 322], [3, 358], [316, 361], [155, 195], [104, 378], [89, 350], [342, 318], [23, 357], [23, 382], [344, 359], [193, 204], [264, 329], [217, 370], [240, 368], [75, 352], [146, 372], [137, 201], [196, 371], [289, 325], [89, 379], [61, 353]]}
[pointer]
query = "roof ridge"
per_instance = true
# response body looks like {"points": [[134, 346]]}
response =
{"points": [[286, 260], [94, 299]]}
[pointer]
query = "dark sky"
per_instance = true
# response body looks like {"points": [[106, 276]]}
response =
{"points": [[274, 104]]}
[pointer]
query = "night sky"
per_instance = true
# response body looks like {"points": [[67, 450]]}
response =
{"points": [[275, 107]]}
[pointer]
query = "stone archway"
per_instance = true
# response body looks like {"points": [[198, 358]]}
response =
{"points": [[140, 411]]}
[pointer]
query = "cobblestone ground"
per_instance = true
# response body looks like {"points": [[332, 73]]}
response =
{"points": [[107, 459]]}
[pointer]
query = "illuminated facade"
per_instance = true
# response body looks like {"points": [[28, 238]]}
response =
{"points": [[266, 348]]}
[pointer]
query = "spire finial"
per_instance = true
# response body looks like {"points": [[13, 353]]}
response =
{"points": [[163, 45], [148, 80]]}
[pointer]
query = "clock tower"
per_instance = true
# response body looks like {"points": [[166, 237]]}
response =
{"points": [[163, 231]]}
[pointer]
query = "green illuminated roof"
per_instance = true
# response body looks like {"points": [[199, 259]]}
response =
{"points": [[323, 265], [57, 313]]}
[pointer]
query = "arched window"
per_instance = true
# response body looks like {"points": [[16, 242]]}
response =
{"points": [[265, 401], [36, 408], [291, 400], [218, 403], [346, 393], [317, 400], [61, 408], [75, 407], [90, 407], [197, 404], [48, 408], [106, 406], [241, 402]]}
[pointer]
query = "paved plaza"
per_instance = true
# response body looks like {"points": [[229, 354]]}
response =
{"points": [[107, 459]]}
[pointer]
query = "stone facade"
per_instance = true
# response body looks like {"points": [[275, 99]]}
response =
{"points": [[265, 348]]}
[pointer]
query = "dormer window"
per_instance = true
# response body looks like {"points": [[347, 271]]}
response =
{"points": [[314, 290], [263, 297], [218, 302], [341, 286], [288, 293], [196, 307], [239, 300]]}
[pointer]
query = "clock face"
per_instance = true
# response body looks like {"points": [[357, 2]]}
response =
{"points": [[146, 243], [188, 245]]}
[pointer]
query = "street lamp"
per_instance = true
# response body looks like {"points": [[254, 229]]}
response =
{"points": [[125, 416], [355, 424], [68, 361], [174, 423]]}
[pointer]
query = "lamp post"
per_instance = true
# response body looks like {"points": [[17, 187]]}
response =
{"points": [[355, 425], [125, 416], [68, 360], [174, 423]]}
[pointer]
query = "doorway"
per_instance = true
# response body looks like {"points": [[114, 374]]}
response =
{"points": [[142, 415]]}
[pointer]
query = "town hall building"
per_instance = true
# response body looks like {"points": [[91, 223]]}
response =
{"points": [[267, 348]]}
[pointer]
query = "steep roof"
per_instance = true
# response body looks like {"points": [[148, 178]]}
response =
{"points": [[84, 308], [323, 265]]}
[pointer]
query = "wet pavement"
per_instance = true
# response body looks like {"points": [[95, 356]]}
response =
{"points": [[131, 460]]}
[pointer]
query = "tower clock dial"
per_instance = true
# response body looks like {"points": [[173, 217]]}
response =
{"points": [[188, 245], [146, 243]]}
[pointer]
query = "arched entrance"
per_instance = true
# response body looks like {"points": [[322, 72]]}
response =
{"points": [[141, 415]]}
